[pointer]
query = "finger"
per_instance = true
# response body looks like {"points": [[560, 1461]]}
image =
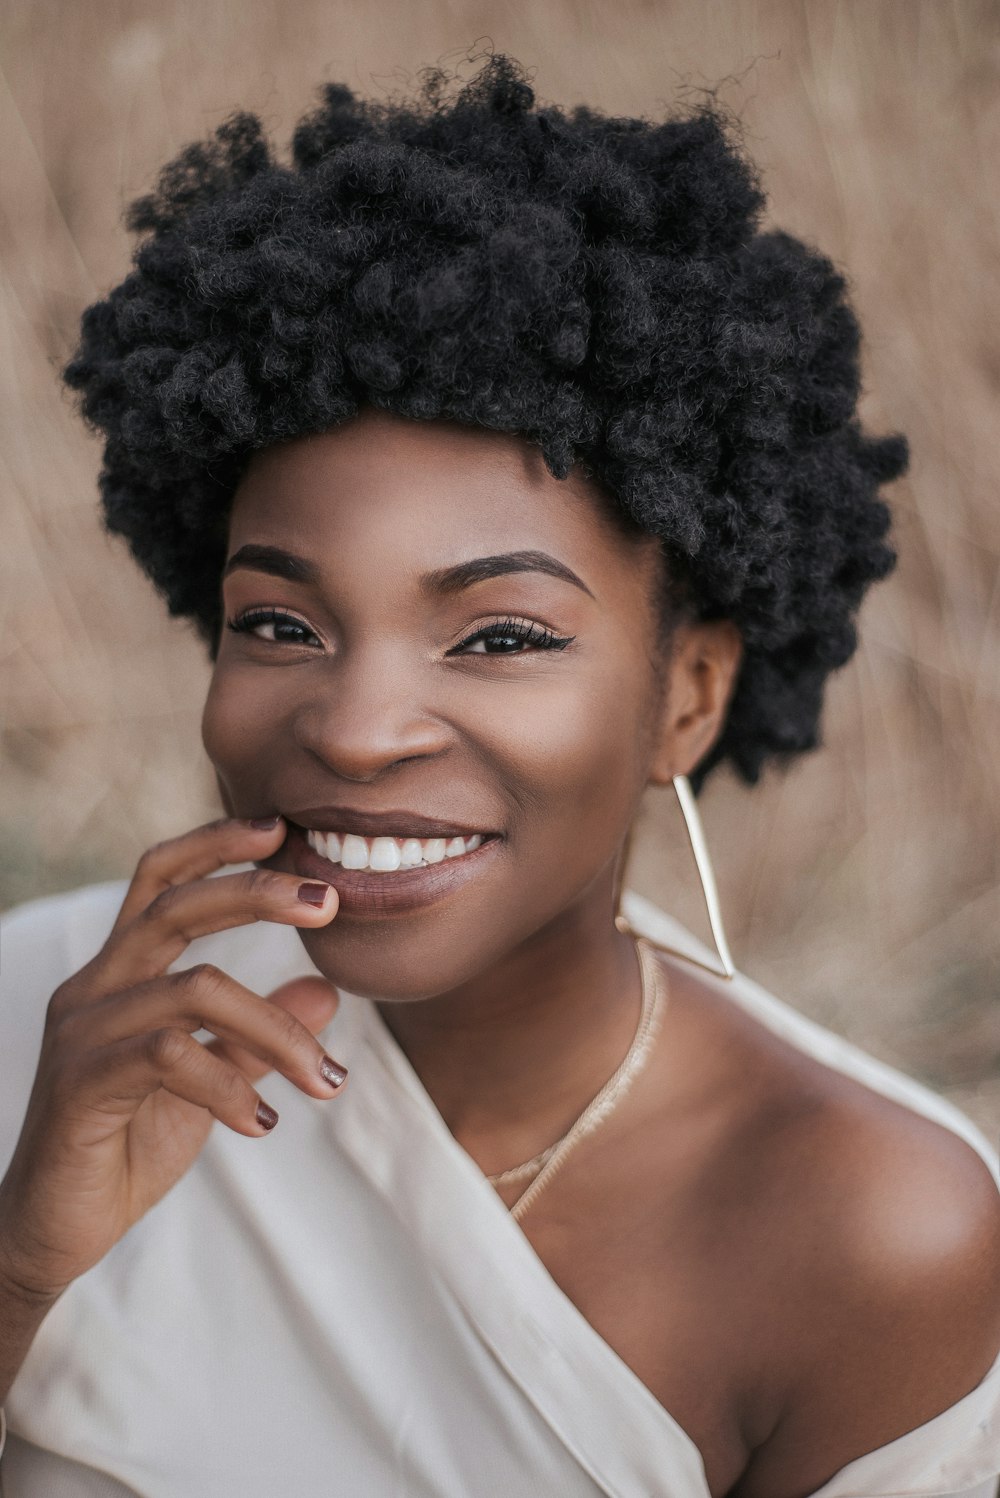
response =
{"points": [[194, 855], [312, 1000], [123, 1075], [205, 998], [180, 913]]}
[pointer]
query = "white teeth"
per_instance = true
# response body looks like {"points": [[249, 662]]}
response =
{"points": [[384, 855], [355, 852], [411, 855]]}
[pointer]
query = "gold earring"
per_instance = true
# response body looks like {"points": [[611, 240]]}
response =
{"points": [[696, 837]]}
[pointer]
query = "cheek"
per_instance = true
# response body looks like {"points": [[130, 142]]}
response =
{"points": [[573, 754], [235, 730]]}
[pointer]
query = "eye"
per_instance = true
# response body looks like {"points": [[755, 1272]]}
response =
{"points": [[511, 637], [282, 625]]}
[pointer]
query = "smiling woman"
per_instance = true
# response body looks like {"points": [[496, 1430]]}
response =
{"points": [[505, 467]]}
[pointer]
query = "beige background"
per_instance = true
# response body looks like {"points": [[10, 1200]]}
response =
{"points": [[862, 885]]}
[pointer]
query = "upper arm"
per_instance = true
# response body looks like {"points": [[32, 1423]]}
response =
{"points": [[903, 1298]]}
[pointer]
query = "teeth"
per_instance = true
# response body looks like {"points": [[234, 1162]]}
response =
{"points": [[411, 855], [355, 852], [385, 855]]}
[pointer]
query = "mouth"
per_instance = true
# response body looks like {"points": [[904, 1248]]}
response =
{"points": [[385, 855], [385, 874]]}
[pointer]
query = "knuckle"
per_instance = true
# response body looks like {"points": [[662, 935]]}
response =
{"points": [[152, 856], [61, 1005], [230, 1088], [203, 979], [261, 884], [288, 1029], [166, 1049]]}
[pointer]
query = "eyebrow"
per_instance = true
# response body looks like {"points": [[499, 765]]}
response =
{"points": [[464, 574], [280, 563], [273, 560]]}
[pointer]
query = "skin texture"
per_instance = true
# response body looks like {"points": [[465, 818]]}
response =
{"points": [[797, 1269], [750, 1232]]}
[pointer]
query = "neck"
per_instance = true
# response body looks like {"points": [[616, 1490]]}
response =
{"points": [[511, 1058]]}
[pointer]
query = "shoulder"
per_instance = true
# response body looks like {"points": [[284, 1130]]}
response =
{"points": [[910, 1216], [892, 1268], [869, 1232], [892, 1215]]}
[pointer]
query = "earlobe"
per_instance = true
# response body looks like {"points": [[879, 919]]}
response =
{"points": [[702, 673]]}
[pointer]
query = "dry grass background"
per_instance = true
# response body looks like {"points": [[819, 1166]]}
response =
{"points": [[863, 884]]}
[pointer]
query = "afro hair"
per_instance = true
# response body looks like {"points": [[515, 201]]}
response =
{"points": [[600, 286]]}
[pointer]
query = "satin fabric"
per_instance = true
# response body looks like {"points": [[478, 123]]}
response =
{"points": [[346, 1306]]}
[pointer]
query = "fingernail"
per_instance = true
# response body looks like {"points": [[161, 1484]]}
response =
{"points": [[264, 824], [332, 1072], [266, 1117], [314, 894]]}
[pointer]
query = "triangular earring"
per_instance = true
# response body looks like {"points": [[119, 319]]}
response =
{"points": [[696, 837]]}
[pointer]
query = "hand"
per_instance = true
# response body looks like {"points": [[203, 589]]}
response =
{"points": [[124, 1096]]}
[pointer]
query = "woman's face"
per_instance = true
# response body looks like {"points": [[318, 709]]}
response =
{"points": [[407, 678]]}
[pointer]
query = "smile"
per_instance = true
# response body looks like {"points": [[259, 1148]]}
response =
{"points": [[387, 855]]}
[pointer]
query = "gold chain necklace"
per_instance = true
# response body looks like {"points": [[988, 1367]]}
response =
{"points": [[544, 1165]]}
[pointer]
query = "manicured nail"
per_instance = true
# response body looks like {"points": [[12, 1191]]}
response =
{"points": [[332, 1072], [266, 1117], [264, 824], [314, 894]]}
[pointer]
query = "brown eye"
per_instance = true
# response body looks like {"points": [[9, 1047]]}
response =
{"points": [[512, 637], [286, 629]]}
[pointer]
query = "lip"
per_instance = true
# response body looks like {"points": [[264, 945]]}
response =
{"points": [[363, 893], [379, 823]]}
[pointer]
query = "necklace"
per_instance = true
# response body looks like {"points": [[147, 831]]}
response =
{"points": [[544, 1165]]}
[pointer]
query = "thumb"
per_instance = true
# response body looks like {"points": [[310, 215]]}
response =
{"points": [[310, 998]]}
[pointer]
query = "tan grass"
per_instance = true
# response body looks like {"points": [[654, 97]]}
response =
{"points": [[862, 885]]}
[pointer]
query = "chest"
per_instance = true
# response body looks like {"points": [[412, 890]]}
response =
{"points": [[686, 1286]]}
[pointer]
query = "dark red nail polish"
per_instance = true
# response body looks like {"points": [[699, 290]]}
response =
{"points": [[264, 824], [332, 1072], [313, 894], [266, 1117]]}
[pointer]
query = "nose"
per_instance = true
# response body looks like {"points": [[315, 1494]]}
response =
{"points": [[366, 715]]}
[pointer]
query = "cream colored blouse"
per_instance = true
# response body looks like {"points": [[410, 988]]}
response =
{"points": [[347, 1307]]}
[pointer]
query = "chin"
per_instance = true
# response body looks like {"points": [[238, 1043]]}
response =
{"points": [[364, 962]]}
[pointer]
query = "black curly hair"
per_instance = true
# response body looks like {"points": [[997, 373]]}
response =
{"points": [[598, 285]]}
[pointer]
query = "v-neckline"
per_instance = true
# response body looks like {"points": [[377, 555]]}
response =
{"points": [[623, 1436]]}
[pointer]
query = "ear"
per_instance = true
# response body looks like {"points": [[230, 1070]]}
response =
{"points": [[702, 671]]}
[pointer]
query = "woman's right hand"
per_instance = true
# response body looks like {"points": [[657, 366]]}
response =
{"points": [[124, 1096]]}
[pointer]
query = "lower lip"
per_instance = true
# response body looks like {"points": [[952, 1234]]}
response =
{"points": [[363, 893]]}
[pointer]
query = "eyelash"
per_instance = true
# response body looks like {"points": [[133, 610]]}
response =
{"points": [[509, 628]]}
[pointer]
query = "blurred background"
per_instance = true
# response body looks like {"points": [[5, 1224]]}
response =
{"points": [[863, 884]]}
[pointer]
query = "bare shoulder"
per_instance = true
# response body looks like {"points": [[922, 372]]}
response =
{"points": [[890, 1254]]}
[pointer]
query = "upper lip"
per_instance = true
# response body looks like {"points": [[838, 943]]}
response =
{"points": [[378, 823]]}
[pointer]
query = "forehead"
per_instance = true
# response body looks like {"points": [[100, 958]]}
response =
{"points": [[415, 494]]}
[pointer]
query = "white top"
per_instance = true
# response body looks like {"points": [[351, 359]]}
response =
{"points": [[346, 1306]]}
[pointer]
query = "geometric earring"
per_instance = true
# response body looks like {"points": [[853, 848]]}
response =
{"points": [[696, 837]]}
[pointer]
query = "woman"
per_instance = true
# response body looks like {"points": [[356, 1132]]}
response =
{"points": [[505, 467]]}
